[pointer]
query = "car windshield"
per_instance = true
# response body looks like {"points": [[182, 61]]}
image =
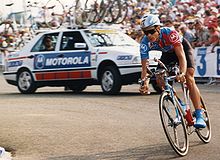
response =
{"points": [[105, 38]]}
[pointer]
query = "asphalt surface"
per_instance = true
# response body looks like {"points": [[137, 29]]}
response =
{"points": [[57, 125]]}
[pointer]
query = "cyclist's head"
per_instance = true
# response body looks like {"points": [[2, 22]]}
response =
{"points": [[150, 25], [150, 20]]}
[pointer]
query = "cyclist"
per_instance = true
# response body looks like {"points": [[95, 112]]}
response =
{"points": [[174, 49]]}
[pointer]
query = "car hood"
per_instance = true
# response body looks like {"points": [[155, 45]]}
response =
{"points": [[129, 50]]}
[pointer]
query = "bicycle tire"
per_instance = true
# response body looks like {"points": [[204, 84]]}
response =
{"points": [[205, 133], [174, 126], [75, 14], [8, 27], [112, 14], [77, 4], [123, 13], [100, 13], [53, 19], [89, 14]]}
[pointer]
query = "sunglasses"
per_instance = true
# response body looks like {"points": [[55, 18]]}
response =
{"points": [[151, 31]]}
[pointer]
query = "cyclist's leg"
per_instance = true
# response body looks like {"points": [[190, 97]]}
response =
{"points": [[191, 84], [168, 57], [195, 98]]}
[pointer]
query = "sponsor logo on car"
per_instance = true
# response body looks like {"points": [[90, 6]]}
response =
{"points": [[15, 63], [48, 61], [124, 57]]}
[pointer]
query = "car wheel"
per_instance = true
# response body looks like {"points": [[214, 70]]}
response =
{"points": [[110, 80], [77, 89], [25, 82]]}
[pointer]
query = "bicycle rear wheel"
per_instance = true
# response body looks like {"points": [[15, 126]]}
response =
{"points": [[173, 124], [205, 133]]}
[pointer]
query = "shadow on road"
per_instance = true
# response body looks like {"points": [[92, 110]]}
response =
{"points": [[69, 93], [139, 153]]}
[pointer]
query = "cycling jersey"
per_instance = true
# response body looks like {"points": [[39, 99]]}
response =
{"points": [[168, 39]]}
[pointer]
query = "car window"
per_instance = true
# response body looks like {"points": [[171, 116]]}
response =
{"points": [[69, 39], [46, 43], [105, 38]]}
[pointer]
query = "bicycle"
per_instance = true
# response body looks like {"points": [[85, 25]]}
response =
{"points": [[176, 115], [107, 11]]}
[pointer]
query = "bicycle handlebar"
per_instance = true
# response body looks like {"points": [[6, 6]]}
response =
{"points": [[161, 63], [164, 70]]}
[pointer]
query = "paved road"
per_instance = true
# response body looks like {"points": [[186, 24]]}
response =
{"points": [[57, 125]]}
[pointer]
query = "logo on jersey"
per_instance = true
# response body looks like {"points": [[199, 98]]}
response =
{"points": [[143, 47], [174, 37], [39, 61]]}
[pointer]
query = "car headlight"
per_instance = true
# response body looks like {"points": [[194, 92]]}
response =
{"points": [[136, 60]]}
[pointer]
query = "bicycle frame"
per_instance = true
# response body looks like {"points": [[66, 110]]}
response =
{"points": [[185, 111]]}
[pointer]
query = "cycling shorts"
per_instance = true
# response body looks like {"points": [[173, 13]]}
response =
{"points": [[169, 57]]}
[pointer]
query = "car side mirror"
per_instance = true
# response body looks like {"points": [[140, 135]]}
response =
{"points": [[80, 46]]}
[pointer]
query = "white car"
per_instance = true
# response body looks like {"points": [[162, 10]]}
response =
{"points": [[80, 58]]}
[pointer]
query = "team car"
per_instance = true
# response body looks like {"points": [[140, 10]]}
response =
{"points": [[78, 58]]}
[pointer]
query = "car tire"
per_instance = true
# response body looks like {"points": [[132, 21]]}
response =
{"points": [[110, 80], [25, 82]]}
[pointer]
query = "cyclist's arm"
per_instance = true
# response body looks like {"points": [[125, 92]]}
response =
{"points": [[144, 87], [181, 57], [144, 53], [145, 64]]}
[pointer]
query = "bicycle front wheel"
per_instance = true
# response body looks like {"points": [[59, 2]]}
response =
{"points": [[173, 124], [205, 133]]}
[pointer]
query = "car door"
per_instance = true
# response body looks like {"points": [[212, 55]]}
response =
{"points": [[45, 57], [76, 58]]}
